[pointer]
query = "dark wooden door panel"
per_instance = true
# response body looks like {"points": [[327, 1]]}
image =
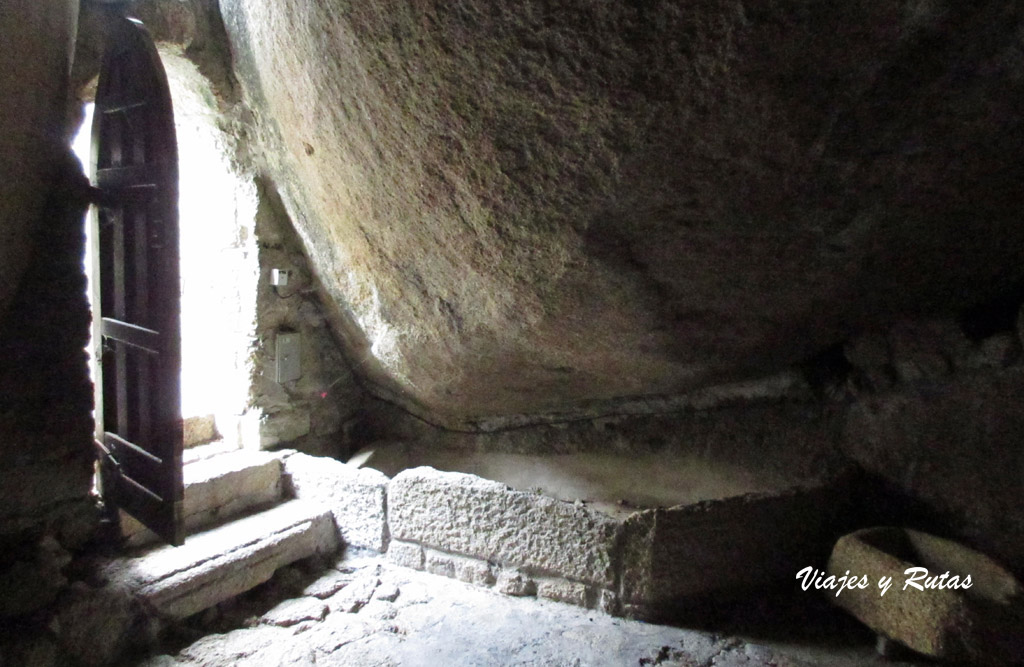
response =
{"points": [[135, 166]]}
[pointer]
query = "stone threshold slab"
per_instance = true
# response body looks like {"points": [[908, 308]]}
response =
{"points": [[223, 562], [217, 489]]}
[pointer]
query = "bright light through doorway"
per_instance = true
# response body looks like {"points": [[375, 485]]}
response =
{"points": [[219, 270]]}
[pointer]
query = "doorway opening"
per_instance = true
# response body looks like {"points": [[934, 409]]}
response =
{"points": [[219, 261]]}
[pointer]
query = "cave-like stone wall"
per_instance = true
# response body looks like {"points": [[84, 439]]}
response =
{"points": [[35, 60], [45, 394], [542, 207], [315, 412], [949, 451]]}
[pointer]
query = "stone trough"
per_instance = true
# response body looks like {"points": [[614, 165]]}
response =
{"points": [[967, 609], [644, 536]]}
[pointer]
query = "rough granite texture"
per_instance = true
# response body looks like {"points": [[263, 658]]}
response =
{"points": [[950, 448], [221, 563], [406, 554], [651, 564], [217, 489], [519, 208], [675, 557], [95, 623], [308, 413], [354, 496], [467, 515], [981, 624]]}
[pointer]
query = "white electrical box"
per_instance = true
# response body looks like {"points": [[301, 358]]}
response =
{"points": [[289, 360], [279, 277]]}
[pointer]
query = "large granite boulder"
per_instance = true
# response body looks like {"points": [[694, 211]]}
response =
{"points": [[533, 207]]}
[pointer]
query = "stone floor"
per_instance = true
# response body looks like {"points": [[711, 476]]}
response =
{"points": [[362, 611]]}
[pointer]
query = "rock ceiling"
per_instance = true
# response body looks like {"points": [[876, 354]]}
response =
{"points": [[518, 208]]}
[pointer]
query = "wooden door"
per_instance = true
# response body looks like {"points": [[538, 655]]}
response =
{"points": [[137, 315]]}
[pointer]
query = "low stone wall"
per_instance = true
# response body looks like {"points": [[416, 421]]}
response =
{"points": [[644, 564], [481, 531], [674, 557], [356, 497]]}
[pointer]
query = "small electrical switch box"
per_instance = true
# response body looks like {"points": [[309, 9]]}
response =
{"points": [[289, 361], [279, 277]]}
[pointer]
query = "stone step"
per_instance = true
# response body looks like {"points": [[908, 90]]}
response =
{"points": [[216, 489], [198, 430], [207, 450], [220, 563]]}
